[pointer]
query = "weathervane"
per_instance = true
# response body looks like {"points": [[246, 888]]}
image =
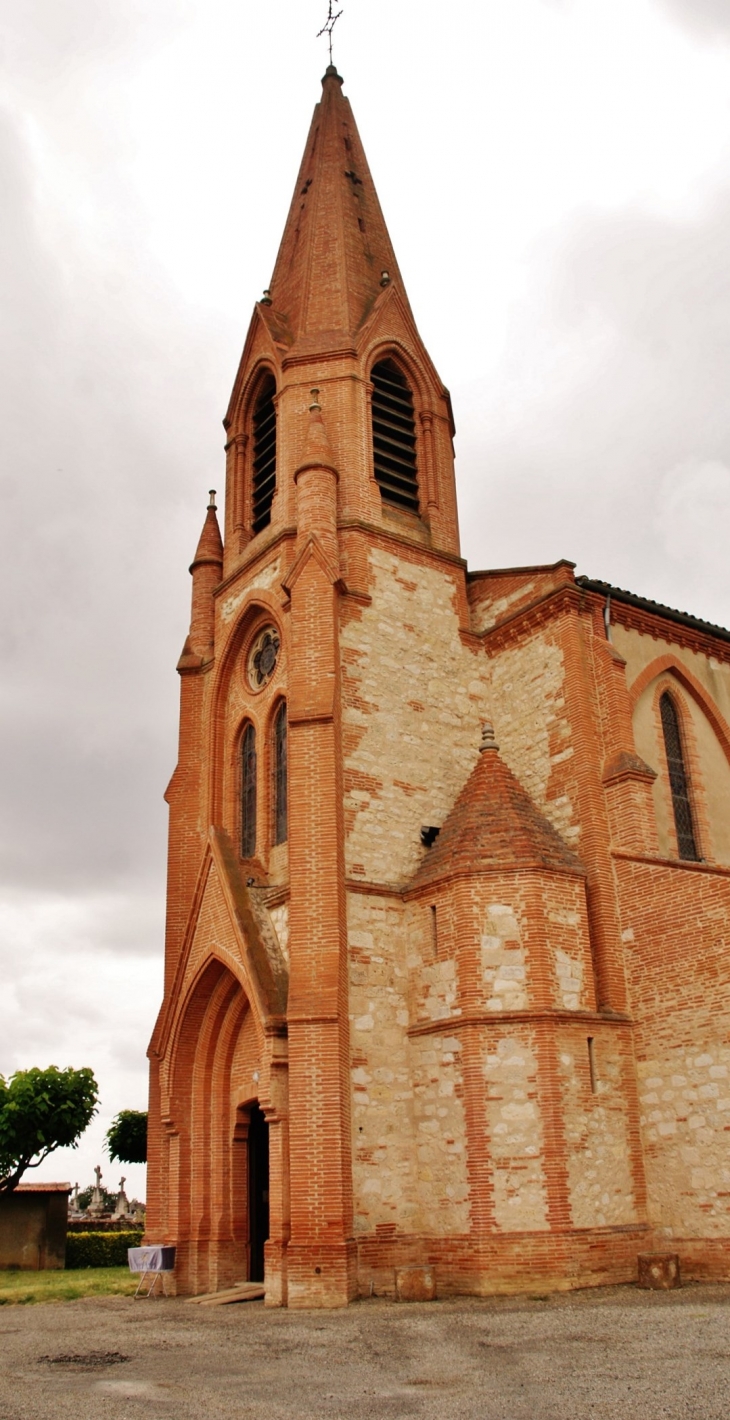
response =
{"points": [[328, 28]]}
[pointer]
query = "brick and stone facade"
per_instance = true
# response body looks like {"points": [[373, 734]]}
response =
{"points": [[469, 1011]]}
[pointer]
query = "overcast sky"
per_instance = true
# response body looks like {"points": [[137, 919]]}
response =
{"points": [[556, 179]]}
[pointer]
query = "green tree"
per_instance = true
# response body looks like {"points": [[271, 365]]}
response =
{"points": [[126, 1138], [107, 1198], [41, 1110]]}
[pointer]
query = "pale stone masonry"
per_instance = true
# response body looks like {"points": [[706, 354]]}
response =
{"points": [[447, 975]]}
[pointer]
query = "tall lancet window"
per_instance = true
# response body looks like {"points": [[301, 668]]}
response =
{"points": [[248, 792], [394, 436], [279, 781], [264, 456], [678, 779]]}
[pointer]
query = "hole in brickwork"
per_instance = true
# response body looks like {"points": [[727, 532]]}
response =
{"points": [[592, 1064], [434, 931], [394, 437]]}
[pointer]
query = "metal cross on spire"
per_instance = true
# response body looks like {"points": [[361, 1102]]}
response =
{"points": [[329, 26]]}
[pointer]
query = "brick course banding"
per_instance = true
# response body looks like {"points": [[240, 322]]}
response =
{"points": [[500, 1061]]}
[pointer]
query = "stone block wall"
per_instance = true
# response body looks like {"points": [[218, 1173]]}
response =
{"points": [[677, 943], [414, 697]]}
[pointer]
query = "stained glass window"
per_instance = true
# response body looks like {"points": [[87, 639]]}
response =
{"points": [[248, 792], [279, 776], [678, 779], [263, 657]]}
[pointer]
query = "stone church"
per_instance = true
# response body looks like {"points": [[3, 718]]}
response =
{"points": [[448, 948]]}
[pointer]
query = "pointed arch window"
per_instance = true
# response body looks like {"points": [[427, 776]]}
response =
{"points": [[678, 779], [264, 455], [279, 775], [248, 792], [394, 436]]}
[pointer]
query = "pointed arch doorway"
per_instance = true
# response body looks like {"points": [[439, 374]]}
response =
{"points": [[257, 1190]]}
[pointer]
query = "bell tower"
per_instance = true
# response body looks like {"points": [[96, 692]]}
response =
{"points": [[339, 479], [336, 317]]}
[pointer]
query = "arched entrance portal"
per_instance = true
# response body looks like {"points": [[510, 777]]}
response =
{"points": [[219, 1153]]}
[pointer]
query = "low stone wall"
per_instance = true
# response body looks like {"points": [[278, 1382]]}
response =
{"points": [[33, 1226]]}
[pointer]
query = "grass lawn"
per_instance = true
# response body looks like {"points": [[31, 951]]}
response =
{"points": [[65, 1286]]}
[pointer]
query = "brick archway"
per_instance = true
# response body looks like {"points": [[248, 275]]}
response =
{"points": [[208, 1173], [669, 665]]}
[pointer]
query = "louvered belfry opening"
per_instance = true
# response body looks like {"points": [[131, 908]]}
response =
{"points": [[394, 436], [678, 780], [264, 455]]}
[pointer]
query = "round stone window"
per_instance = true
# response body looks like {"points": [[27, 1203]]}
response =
{"points": [[262, 658]]}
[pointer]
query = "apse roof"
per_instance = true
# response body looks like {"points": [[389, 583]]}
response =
{"points": [[493, 825]]}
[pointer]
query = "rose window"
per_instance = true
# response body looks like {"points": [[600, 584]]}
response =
{"points": [[263, 657]]}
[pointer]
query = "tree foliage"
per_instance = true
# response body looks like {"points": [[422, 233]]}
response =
{"points": [[127, 1137], [108, 1199], [41, 1110]]}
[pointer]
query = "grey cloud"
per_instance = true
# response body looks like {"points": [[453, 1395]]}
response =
{"points": [[105, 467], [616, 376], [709, 17]]}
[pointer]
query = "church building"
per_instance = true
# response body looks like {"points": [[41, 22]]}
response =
{"points": [[447, 977]]}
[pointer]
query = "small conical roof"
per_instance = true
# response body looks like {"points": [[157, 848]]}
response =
{"points": [[336, 255], [494, 824], [317, 449], [210, 543]]}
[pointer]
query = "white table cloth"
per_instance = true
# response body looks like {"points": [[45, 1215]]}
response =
{"points": [[151, 1259]]}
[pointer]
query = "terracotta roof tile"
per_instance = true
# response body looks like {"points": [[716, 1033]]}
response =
{"points": [[42, 1188]]}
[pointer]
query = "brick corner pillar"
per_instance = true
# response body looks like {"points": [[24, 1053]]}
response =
{"points": [[627, 780], [154, 1213], [321, 1256]]}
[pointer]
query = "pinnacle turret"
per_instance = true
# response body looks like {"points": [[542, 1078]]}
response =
{"points": [[210, 543], [206, 569]]}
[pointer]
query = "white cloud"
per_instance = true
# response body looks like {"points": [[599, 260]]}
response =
{"points": [[693, 517], [82, 988]]}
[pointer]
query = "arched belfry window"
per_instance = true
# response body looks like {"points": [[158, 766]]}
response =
{"points": [[248, 792], [394, 436], [678, 779], [264, 455], [279, 776]]}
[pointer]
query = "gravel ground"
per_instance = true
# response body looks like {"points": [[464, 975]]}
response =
{"points": [[597, 1354]]}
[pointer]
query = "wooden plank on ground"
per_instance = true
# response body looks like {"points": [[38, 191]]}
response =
{"points": [[243, 1292]]}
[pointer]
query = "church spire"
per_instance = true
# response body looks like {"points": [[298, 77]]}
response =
{"points": [[336, 256], [336, 316]]}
